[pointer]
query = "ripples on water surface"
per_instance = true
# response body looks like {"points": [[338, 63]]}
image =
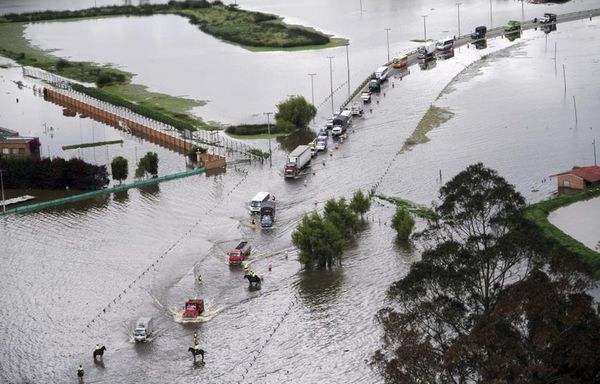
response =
{"points": [[60, 268]]}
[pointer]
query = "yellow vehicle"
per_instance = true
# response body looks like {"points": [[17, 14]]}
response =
{"points": [[400, 61]]}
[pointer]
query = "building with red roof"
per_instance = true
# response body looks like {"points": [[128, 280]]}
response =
{"points": [[579, 178]]}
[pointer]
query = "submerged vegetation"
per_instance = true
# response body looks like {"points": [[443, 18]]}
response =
{"points": [[433, 118], [321, 239]]}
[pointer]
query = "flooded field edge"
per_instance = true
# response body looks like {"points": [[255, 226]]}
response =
{"points": [[538, 214]]}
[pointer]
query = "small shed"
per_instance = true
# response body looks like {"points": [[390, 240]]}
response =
{"points": [[579, 178]]}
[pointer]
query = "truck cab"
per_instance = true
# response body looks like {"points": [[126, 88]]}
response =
{"points": [[144, 327], [243, 249], [374, 85], [193, 308], [548, 18], [512, 26], [267, 215], [479, 33]]}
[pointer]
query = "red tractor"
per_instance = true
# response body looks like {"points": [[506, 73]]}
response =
{"points": [[193, 308]]}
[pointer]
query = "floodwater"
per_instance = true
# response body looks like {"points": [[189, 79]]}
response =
{"points": [[80, 274], [580, 221], [240, 85]]}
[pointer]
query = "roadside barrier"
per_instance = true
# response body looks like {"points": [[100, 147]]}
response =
{"points": [[92, 194]]}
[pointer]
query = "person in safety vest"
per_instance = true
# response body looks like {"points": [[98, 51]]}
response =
{"points": [[245, 269], [252, 273], [196, 347], [199, 279], [97, 347], [195, 339], [80, 371]]}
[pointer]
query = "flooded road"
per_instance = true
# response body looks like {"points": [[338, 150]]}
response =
{"points": [[76, 275]]}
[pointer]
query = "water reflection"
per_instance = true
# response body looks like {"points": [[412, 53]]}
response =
{"points": [[445, 55], [298, 137], [319, 289], [480, 44], [121, 197], [512, 36], [151, 190]]}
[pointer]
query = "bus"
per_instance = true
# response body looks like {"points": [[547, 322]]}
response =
{"points": [[382, 73], [400, 61], [257, 201]]}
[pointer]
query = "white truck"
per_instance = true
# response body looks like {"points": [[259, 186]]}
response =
{"points": [[426, 51], [144, 327], [297, 160]]}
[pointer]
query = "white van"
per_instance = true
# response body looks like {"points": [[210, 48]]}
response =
{"points": [[257, 201], [144, 327], [445, 44]]}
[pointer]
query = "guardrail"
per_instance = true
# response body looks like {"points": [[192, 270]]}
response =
{"points": [[89, 195]]}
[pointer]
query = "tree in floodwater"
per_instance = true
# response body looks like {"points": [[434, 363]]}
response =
{"points": [[319, 241], [147, 165], [294, 113], [119, 168], [360, 204], [342, 217], [491, 300], [403, 223]]}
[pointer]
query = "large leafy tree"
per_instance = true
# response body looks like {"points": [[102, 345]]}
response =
{"points": [[293, 113], [403, 223], [147, 165], [467, 311], [360, 204], [119, 168], [319, 241]]}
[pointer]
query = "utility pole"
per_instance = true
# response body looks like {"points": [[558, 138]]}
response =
{"points": [[425, 28], [387, 33], [361, 10], [331, 80], [593, 143], [348, 66], [269, 133], [491, 20], [312, 87], [4, 202], [458, 6]]}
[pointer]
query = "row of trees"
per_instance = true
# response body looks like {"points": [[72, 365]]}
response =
{"points": [[56, 173], [321, 239], [491, 301], [147, 165]]}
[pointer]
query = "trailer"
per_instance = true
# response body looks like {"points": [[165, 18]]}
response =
{"points": [[426, 51], [296, 160], [242, 251]]}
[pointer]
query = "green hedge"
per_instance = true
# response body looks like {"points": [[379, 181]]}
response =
{"points": [[252, 129], [538, 214], [140, 109]]}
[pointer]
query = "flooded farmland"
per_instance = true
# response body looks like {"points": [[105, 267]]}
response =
{"points": [[76, 275]]}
